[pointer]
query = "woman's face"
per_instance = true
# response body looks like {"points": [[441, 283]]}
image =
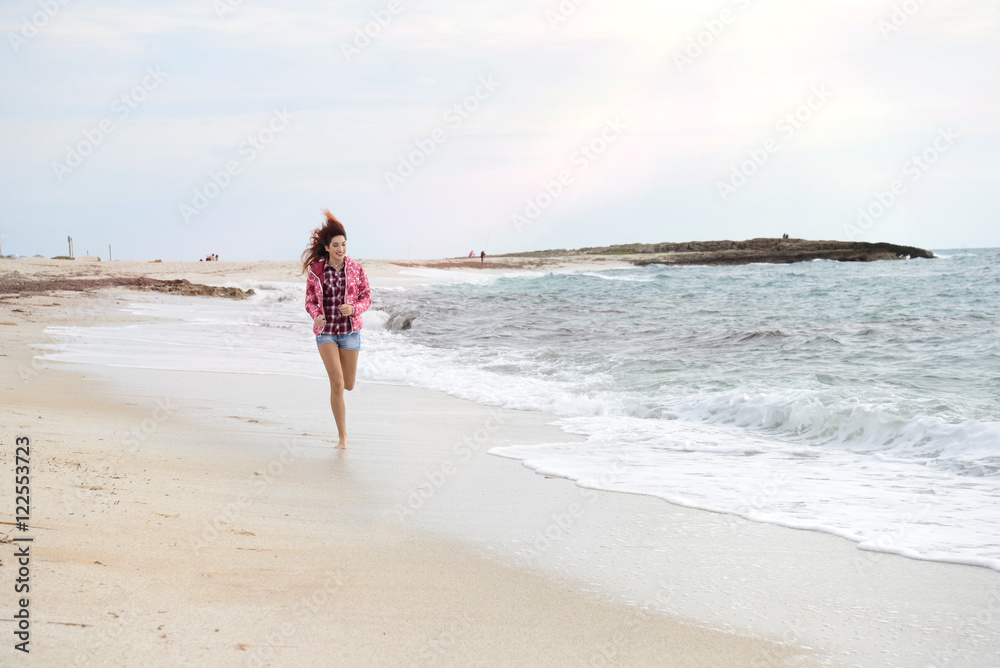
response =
{"points": [[337, 248]]}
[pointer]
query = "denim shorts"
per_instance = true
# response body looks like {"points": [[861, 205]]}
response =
{"points": [[350, 341]]}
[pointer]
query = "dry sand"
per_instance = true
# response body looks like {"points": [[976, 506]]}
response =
{"points": [[170, 528], [222, 272]]}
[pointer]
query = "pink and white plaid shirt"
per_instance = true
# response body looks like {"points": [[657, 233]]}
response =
{"points": [[334, 289], [357, 293]]}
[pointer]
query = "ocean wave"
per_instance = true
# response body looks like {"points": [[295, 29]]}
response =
{"points": [[822, 416], [617, 277], [890, 428]]}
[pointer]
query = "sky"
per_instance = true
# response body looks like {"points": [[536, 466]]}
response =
{"points": [[435, 128]]}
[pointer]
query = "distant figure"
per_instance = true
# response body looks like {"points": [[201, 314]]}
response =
{"points": [[482, 257], [215, 257], [785, 235], [470, 254]]}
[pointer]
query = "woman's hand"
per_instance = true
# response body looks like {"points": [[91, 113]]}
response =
{"points": [[346, 309], [320, 321]]}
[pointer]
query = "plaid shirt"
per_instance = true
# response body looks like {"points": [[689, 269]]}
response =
{"points": [[334, 291]]}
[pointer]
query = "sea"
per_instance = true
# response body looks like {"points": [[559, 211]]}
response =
{"points": [[857, 399]]}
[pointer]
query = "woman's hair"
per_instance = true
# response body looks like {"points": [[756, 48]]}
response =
{"points": [[320, 239]]}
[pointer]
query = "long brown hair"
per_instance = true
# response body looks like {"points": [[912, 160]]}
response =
{"points": [[320, 239]]}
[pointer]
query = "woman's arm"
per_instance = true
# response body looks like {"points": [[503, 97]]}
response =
{"points": [[313, 307], [364, 299]]}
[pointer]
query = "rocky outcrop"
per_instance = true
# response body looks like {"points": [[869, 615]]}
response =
{"points": [[763, 250], [19, 284], [184, 287]]}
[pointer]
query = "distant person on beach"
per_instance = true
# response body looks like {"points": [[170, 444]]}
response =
{"points": [[482, 257], [337, 293], [470, 254]]}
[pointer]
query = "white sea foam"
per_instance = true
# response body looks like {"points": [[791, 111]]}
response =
{"points": [[899, 507]]}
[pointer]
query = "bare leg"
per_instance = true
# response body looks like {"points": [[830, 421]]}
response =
{"points": [[349, 363], [331, 359]]}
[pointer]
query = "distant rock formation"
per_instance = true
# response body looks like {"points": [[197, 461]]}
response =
{"points": [[763, 250]]}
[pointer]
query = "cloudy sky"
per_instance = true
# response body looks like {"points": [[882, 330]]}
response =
{"points": [[436, 127]]}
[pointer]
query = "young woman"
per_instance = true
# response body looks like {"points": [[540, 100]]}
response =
{"points": [[337, 294]]}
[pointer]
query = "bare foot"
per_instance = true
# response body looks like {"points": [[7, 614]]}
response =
{"points": [[342, 444]]}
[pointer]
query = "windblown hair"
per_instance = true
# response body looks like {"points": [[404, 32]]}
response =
{"points": [[320, 239]]}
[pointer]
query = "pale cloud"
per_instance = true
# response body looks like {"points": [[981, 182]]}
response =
{"points": [[559, 83]]}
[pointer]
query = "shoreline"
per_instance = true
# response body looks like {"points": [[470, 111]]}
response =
{"points": [[803, 588], [173, 524], [696, 253]]}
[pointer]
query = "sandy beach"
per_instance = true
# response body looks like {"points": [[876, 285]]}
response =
{"points": [[172, 524]]}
